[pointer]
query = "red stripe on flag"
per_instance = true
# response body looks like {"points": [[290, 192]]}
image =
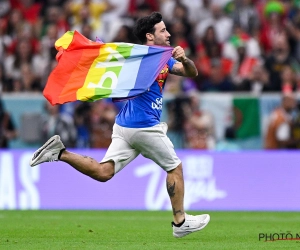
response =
{"points": [[71, 71], [79, 73], [60, 76]]}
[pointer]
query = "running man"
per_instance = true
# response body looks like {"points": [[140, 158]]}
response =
{"points": [[138, 130]]}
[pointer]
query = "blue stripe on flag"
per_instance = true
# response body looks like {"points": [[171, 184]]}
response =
{"points": [[149, 69], [129, 71]]}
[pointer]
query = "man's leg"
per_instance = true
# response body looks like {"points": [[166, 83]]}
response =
{"points": [[89, 166], [118, 155], [154, 144], [183, 224], [175, 188]]}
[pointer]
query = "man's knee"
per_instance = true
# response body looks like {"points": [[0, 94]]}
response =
{"points": [[106, 171], [177, 170]]}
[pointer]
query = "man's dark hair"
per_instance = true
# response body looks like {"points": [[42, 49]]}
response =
{"points": [[145, 25]]}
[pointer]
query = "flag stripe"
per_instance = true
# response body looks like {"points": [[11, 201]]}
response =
{"points": [[78, 74], [61, 78], [132, 66], [152, 65], [87, 92]]}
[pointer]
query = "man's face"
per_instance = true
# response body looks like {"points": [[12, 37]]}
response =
{"points": [[289, 102], [161, 35]]}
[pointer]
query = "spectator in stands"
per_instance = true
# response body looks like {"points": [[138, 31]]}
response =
{"points": [[125, 35], [278, 134], [54, 123], [48, 3], [180, 38], [5, 40], [209, 49], [181, 29], [181, 13], [176, 119], [288, 78], [84, 19], [28, 35], [272, 25], [7, 127], [47, 43], [5, 7], [293, 29], [3, 82], [244, 53], [245, 15], [55, 15], [166, 8], [208, 45], [204, 12], [29, 81], [198, 126], [16, 23], [87, 31], [222, 24], [30, 12], [24, 54], [114, 19], [88, 12], [30, 9], [278, 59], [218, 80], [140, 8], [256, 82], [198, 10]]}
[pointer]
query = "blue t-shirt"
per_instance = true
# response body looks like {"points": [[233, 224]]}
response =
{"points": [[145, 110]]}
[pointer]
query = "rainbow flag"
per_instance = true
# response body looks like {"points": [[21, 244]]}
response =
{"points": [[89, 71]]}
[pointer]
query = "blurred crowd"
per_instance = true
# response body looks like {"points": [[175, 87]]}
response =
{"points": [[237, 45]]}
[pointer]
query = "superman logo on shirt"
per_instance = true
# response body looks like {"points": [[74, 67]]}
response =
{"points": [[162, 76]]}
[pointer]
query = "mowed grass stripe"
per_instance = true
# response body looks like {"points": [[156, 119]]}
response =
{"points": [[60, 230]]}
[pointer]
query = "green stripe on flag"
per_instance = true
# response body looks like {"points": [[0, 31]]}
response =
{"points": [[125, 50], [247, 120], [105, 92]]}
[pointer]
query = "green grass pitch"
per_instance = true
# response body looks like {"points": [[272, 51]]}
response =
{"points": [[142, 230]]}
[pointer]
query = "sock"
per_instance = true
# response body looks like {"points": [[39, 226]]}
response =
{"points": [[178, 225], [61, 153]]}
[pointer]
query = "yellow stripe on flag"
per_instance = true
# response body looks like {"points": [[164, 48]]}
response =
{"points": [[65, 40], [94, 74]]}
